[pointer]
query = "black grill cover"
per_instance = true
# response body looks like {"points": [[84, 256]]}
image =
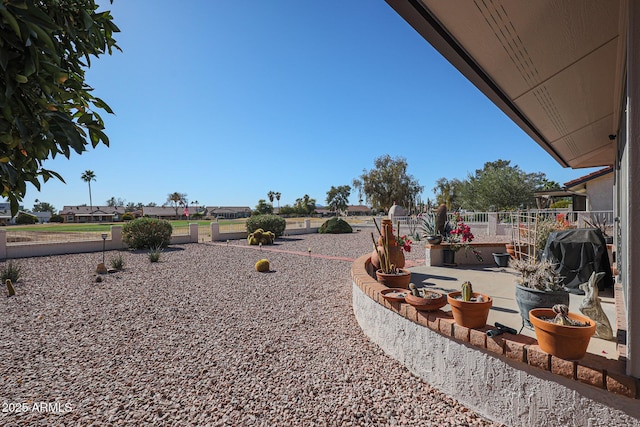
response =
{"points": [[577, 253]]}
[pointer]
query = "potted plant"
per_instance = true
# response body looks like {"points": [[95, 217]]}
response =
{"points": [[560, 333], [396, 246], [388, 273], [470, 309], [429, 228], [538, 285], [459, 236], [425, 299]]}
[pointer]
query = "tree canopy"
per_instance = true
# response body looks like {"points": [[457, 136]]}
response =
{"points": [[498, 186], [46, 106], [389, 182], [176, 200], [338, 198]]}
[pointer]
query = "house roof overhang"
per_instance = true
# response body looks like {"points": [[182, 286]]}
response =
{"points": [[557, 69]]}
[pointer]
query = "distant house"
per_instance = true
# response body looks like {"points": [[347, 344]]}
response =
{"points": [[361, 210], [597, 187], [164, 212], [227, 212], [81, 214]]}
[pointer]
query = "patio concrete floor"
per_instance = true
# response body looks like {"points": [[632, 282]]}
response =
{"points": [[499, 283]]}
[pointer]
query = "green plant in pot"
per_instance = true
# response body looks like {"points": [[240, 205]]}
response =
{"points": [[538, 285], [388, 273], [429, 228], [470, 309]]}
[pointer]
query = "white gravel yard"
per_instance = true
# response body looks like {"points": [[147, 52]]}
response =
{"points": [[201, 338]]}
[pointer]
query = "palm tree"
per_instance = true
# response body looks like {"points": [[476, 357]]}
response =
{"points": [[177, 199], [87, 177], [277, 196], [271, 195]]}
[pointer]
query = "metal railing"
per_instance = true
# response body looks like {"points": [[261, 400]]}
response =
{"points": [[28, 237]]}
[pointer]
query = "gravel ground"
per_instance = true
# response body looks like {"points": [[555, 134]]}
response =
{"points": [[201, 338]]}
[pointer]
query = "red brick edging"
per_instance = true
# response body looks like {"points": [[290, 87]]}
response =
{"points": [[593, 370]]}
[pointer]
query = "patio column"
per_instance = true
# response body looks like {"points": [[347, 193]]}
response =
{"points": [[631, 236]]}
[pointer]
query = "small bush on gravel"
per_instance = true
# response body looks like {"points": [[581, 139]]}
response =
{"points": [[154, 254], [272, 223], [335, 226], [117, 262], [147, 233], [10, 271]]}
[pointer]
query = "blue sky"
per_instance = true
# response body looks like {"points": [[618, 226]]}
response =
{"points": [[226, 100]]}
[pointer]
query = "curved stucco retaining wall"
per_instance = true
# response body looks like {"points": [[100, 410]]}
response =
{"points": [[499, 388]]}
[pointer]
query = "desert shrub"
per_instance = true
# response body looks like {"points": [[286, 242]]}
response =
{"points": [[128, 216], [10, 271], [272, 223], [147, 233], [335, 226], [117, 262], [154, 254], [24, 218], [56, 218]]}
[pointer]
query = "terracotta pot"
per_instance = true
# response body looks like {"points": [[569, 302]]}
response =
{"points": [[396, 254], [397, 280], [470, 314], [511, 249], [426, 304], [565, 342]]}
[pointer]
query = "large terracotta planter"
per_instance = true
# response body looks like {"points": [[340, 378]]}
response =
{"points": [[397, 280], [565, 342], [396, 255], [427, 304], [470, 314]]}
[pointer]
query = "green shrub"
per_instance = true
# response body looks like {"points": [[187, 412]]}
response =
{"points": [[128, 216], [560, 204], [272, 223], [147, 233], [335, 226], [10, 271], [24, 218], [154, 254], [56, 218], [117, 262]]}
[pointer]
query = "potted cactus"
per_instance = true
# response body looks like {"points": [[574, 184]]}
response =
{"points": [[389, 273], [425, 299], [560, 333], [470, 309]]}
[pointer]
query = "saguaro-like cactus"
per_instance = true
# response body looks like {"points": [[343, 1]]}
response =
{"points": [[467, 291]]}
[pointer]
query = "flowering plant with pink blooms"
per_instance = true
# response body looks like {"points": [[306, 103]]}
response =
{"points": [[459, 235], [404, 242]]}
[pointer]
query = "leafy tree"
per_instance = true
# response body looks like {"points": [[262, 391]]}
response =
{"points": [[447, 192], [43, 207], [115, 202], [45, 104], [357, 185], [87, 177], [389, 182], [305, 205], [498, 186], [24, 218], [338, 198], [262, 208], [176, 200]]}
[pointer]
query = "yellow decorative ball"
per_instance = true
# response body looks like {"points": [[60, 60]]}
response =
{"points": [[263, 266]]}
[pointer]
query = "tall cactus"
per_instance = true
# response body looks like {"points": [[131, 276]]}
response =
{"points": [[467, 291], [441, 219]]}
